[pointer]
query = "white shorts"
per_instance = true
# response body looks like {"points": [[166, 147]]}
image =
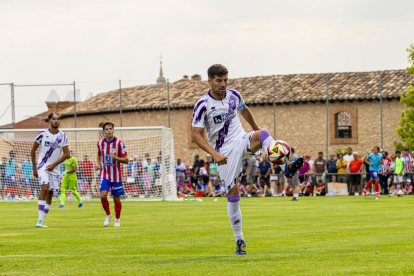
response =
{"points": [[398, 178], [232, 171], [47, 178]]}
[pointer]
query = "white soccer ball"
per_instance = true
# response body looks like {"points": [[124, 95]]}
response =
{"points": [[400, 193], [278, 152]]}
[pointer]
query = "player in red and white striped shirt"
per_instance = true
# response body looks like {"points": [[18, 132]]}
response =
{"points": [[111, 153]]}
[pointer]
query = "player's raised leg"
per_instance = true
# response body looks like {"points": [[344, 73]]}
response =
{"points": [[262, 139]]}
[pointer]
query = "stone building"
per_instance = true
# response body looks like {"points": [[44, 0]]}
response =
{"points": [[353, 115]]}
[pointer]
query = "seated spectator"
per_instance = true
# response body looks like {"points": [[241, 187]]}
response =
{"points": [[186, 191], [201, 187], [189, 176], [320, 189], [264, 188], [218, 190], [333, 179], [253, 189], [242, 190], [408, 190], [305, 187]]}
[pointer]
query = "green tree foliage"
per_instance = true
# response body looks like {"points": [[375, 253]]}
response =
{"points": [[406, 125]]}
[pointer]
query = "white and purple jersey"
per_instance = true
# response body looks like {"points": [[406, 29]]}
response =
{"points": [[220, 119], [51, 146]]}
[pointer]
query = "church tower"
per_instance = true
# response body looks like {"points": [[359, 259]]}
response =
{"points": [[161, 80]]}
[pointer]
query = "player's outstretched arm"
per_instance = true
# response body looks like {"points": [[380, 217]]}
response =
{"points": [[248, 116], [33, 155], [197, 134], [64, 156]]}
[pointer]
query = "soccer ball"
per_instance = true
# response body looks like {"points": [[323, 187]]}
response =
{"points": [[278, 152], [400, 193]]}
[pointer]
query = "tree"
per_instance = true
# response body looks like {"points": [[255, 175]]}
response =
{"points": [[406, 124]]}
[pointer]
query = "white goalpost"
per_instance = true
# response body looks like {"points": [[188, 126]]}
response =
{"points": [[149, 175]]}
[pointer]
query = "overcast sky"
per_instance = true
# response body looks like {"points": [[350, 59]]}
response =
{"points": [[96, 43]]}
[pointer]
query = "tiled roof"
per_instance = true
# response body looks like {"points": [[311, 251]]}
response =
{"points": [[255, 90]]}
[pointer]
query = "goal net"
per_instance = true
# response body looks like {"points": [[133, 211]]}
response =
{"points": [[149, 174]]}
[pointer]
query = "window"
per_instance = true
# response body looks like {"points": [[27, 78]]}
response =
{"points": [[343, 125]]}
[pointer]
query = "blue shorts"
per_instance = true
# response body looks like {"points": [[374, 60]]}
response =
{"points": [[116, 187], [374, 174]]}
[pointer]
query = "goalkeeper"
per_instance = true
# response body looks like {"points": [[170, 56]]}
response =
{"points": [[69, 181]]}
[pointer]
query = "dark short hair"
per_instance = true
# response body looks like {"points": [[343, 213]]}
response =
{"points": [[216, 70], [386, 152], [320, 152], [108, 123], [51, 115], [398, 152], [376, 147], [340, 154], [350, 148]]}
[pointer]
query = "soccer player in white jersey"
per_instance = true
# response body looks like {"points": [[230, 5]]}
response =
{"points": [[111, 153], [52, 143], [228, 143]]}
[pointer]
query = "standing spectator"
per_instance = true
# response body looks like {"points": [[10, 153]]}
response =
{"points": [[179, 169], [11, 180], [151, 169], [3, 175], [279, 180], [383, 176], [87, 169], [251, 171], [408, 165], [147, 179], [398, 171], [196, 168], [265, 169], [348, 157], [356, 168], [27, 169], [331, 166], [320, 167], [412, 171], [212, 170], [341, 165], [145, 162], [139, 172], [305, 169]]}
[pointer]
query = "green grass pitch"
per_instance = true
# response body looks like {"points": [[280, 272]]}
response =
{"points": [[315, 236]]}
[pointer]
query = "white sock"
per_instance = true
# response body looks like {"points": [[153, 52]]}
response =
{"points": [[295, 195], [46, 211], [267, 142], [41, 206], [233, 209]]}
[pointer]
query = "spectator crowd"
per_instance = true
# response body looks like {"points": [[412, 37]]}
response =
{"points": [[259, 177]]}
